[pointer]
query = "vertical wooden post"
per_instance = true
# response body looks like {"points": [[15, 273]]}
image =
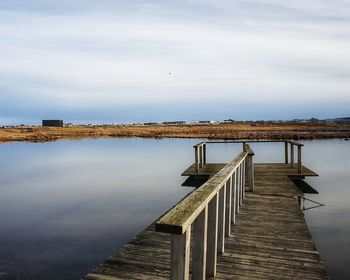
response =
{"points": [[250, 172], [200, 156], [243, 179], [204, 153], [228, 208], [240, 184], [286, 152], [234, 195], [199, 251], [238, 190], [221, 220], [212, 239], [291, 154], [180, 256], [299, 160], [196, 162]]}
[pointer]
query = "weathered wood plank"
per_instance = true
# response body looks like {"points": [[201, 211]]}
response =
{"points": [[199, 255], [212, 236], [180, 255]]}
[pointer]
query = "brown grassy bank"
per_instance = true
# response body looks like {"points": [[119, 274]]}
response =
{"points": [[216, 131]]}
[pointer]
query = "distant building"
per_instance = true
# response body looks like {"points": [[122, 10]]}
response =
{"points": [[150, 123], [339, 120], [229, 121], [174, 123], [57, 123]]}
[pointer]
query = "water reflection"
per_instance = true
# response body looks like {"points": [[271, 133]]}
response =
{"points": [[66, 206], [330, 225]]}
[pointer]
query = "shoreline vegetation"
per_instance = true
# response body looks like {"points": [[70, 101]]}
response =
{"points": [[266, 130]]}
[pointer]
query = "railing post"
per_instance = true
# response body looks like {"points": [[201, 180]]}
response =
{"points": [[180, 255], [199, 251], [299, 160], [228, 208], [291, 154], [243, 179], [212, 239], [240, 185], [286, 152], [221, 220], [234, 195], [249, 167], [238, 190], [204, 153], [196, 162], [250, 172], [200, 156]]}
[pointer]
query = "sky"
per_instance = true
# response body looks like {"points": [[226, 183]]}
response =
{"points": [[103, 61]]}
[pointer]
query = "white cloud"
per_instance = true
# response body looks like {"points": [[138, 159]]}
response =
{"points": [[239, 51]]}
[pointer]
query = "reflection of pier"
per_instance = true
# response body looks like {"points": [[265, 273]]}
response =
{"points": [[243, 222]]}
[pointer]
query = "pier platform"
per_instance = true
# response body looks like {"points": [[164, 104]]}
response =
{"points": [[267, 238]]}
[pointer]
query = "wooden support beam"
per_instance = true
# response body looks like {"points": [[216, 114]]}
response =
{"points": [[204, 153], [249, 167], [199, 250], [201, 156], [234, 196], [299, 160], [212, 236], [243, 179], [250, 172], [180, 256], [240, 185], [196, 159], [286, 152], [221, 220], [238, 190], [228, 207], [292, 155]]}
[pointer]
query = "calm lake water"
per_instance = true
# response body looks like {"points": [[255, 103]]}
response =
{"points": [[66, 206]]}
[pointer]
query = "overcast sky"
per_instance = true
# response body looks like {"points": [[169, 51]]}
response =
{"points": [[129, 61]]}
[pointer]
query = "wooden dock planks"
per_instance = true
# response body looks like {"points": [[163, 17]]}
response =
{"points": [[270, 239]]}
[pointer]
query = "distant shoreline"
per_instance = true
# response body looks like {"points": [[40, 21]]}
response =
{"points": [[296, 131]]}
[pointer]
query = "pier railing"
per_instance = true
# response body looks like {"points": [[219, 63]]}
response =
{"points": [[289, 152], [206, 216], [200, 155], [293, 144]]}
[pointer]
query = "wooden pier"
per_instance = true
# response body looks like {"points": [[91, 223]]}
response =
{"points": [[243, 223]]}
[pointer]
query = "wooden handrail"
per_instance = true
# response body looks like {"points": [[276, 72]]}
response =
{"points": [[254, 141], [200, 150], [178, 219], [299, 162], [286, 156], [206, 216], [200, 155]]}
